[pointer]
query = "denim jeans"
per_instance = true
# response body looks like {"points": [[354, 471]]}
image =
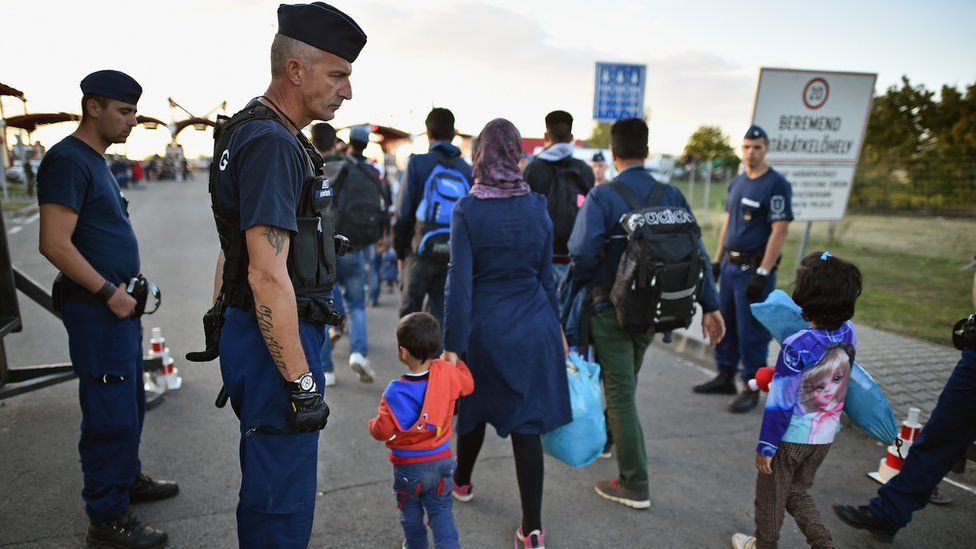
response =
{"points": [[426, 486], [352, 279], [375, 266]]}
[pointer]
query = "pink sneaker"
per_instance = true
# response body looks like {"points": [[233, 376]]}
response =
{"points": [[463, 493], [535, 540]]}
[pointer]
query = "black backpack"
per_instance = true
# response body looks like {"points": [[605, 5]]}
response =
{"points": [[661, 272], [360, 206], [565, 188]]}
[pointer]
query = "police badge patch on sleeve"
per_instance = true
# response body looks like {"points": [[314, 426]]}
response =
{"points": [[777, 204]]}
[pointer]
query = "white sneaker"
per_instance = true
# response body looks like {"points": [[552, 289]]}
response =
{"points": [[329, 379], [742, 541], [360, 365]]}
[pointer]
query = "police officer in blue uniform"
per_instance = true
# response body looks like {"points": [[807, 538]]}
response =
{"points": [[758, 214], [277, 267], [86, 234], [944, 440]]}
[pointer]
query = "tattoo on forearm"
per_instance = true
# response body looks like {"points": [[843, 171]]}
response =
{"points": [[276, 237], [263, 314]]}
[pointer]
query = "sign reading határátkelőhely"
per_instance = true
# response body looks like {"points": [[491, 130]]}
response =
{"points": [[813, 116]]}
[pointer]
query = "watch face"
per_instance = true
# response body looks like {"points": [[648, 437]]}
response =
{"points": [[306, 382]]}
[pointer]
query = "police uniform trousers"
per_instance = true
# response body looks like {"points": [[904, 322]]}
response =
{"points": [[745, 340], [106, 353], [278, 467], [949, 432]]}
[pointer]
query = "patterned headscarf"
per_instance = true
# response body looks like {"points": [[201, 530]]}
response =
{"points": [[496, 157]]}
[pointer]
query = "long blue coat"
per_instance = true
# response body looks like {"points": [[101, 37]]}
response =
{"points": [[501, 314]]}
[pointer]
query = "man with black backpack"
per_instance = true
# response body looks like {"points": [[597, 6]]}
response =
{"points": [[431, 185], [563, 180], [360, 203], [637, 248]]}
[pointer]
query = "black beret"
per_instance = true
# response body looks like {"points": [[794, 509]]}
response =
{"points": [[322, 26], [755, 132], [112, 84]]}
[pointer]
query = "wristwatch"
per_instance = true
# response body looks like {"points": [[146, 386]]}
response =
{"points": [[305, 383], [762, 272]]}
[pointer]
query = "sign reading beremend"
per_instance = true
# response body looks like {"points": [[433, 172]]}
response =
{"points": [[618, 91], [815, 117]]}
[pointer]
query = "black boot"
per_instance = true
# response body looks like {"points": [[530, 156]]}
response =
{"points": [[745, 402], [723, 384], [146, 489], [861, 518], [124, 531]]}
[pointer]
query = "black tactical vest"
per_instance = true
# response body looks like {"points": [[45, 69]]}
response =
{"points": [[312, 250]]}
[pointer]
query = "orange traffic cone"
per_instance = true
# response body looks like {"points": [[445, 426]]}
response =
{"points": [[891, 464], [159, 348]]}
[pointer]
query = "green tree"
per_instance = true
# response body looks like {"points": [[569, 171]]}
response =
{"points": [[897, 127], [600, 136], [709, 143]]}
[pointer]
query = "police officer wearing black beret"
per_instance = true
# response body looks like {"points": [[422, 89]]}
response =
{"points": [[86, 234], [758, 214], [277, 267]]}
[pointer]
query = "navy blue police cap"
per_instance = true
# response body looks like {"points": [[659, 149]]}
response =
{"points": [[755, 132], [112, 84], [598, 157], [360, 134], [322, 26]]}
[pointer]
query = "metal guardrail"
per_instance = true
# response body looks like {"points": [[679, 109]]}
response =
{"points": [[21, 380]]}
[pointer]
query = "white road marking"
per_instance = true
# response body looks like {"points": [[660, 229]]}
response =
{"points": [[27, 221], [693, 366], [960, 485]]}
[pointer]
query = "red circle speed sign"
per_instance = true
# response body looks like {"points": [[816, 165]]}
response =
{"points": [[815, 93]]}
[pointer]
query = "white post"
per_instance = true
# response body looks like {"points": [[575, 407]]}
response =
{"points": [[708, 187], [3, 157]]}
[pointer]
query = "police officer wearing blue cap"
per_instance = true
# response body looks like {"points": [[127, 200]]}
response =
{"points": [[272, 206], [87, 235], [758, 214]]}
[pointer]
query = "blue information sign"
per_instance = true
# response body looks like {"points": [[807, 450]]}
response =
{"points": [[619, 91]]}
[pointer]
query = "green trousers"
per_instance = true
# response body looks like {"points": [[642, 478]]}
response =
{"points": [[620, 355]]}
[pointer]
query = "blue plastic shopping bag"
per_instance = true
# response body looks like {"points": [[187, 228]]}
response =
{"points": [[865, 405], [580, 442]]}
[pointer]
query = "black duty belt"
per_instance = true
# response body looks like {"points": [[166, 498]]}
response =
{"points": [[746, 260], [70, 292]]}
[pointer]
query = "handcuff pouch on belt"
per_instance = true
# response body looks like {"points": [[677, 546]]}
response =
{"points": [[138, 287]]}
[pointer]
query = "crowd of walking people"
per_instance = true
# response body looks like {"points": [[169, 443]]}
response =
{"points": [[505, 268]]}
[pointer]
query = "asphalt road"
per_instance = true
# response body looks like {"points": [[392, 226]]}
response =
{"points": [[701, 458]]}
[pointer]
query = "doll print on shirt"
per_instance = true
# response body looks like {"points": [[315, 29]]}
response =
{"points": [[820, 397]]}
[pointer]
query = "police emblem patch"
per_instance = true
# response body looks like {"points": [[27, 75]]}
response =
{"points": [[777, 204]]}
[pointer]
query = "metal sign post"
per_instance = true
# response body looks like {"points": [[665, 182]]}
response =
{"points": [[618, 91]]}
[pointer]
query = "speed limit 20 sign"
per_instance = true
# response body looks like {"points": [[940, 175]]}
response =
{"points": [[815, 93]]}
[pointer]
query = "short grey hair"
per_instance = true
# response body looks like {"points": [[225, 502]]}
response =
{"points": [[284, 48]]}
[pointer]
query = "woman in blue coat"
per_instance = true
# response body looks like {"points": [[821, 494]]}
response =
{"points": [[501, 315]]}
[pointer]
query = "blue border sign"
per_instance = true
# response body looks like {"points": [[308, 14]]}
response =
{"points": [[618, 91]]}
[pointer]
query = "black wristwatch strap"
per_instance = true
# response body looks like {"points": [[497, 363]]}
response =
{"points": [[107, 291]]}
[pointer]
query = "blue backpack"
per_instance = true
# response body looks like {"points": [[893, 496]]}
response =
{"points": [[443, 188]]}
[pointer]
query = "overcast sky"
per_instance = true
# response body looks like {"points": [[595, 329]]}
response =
{"points": [[483, 59]]}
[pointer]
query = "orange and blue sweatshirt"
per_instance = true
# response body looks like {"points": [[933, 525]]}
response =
{"points": [[414, 416]]}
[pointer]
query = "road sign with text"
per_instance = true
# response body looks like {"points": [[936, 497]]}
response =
{"points": [[619, 91]]}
